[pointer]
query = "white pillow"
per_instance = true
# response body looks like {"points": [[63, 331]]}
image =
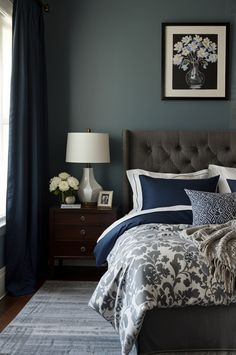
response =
{"points": [[225, 173], [133, 177]]}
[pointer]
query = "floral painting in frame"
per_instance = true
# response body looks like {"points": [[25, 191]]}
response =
{"points": [[194, 61]]}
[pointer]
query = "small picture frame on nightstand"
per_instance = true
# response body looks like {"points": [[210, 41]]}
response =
{"points": [[105, 199]]}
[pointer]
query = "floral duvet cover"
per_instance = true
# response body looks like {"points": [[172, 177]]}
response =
{"points": [[153, 265]]}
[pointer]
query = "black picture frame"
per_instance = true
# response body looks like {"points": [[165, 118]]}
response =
{"points": [[195, 61]]}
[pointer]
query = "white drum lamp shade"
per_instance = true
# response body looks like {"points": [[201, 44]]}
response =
{"points": [[88, 148]]}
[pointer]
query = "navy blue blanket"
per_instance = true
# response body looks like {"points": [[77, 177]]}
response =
{"points": [[106, 243]]}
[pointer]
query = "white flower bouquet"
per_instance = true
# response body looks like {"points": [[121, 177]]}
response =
{"points": [[193, 52], [63, 185], [194, 49]]}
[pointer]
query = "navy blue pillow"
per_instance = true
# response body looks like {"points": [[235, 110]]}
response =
{"points": [[232, 185], [157, 192]]}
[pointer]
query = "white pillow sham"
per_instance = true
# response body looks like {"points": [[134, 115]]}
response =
{"points": [[225, 173], [133, 177]]}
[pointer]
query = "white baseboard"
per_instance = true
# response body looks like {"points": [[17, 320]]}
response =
{"points": [[2, 282]]}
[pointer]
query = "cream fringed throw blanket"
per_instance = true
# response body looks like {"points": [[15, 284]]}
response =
{"points": [[218, 244]]}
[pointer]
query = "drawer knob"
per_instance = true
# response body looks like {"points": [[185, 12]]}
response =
{"points": [[82, 232], [83, 249], [82, 218]]}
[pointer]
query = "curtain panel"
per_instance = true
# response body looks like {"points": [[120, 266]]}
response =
{"points": [[27, 191]]}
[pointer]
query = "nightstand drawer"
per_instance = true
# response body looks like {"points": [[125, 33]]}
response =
{"points": [[83, 218], [73, 249], [74, 232]]}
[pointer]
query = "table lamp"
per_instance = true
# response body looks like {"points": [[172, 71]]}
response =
{"points": [[88, 147]]}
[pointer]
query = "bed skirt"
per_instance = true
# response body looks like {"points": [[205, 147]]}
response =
{"points": [[190, 330]]}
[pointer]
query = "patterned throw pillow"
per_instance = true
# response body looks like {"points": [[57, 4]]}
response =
{"points": [[212, 208]]}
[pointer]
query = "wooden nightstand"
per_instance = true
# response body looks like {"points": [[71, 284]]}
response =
{"points": [[74, 232]]}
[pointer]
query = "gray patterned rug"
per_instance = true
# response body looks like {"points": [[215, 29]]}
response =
{"points": [[57, 321]]}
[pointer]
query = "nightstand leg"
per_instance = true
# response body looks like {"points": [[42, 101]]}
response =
{"points": [[51, 267]]}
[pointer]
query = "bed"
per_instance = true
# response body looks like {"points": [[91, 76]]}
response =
{"points": [[195, 329]]}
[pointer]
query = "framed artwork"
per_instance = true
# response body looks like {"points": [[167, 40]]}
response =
{"points": [[194, 60], [105, 199]]}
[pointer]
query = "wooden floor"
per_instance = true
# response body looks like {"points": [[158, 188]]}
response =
{"points": [[10, 306]]}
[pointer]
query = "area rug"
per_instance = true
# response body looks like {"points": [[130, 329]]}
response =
{"points": [[58, 321]]}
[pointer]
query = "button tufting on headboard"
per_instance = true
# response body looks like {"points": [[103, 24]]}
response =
{"points": [[176, 151]]}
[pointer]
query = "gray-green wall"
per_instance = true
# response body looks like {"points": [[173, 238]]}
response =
{"points": [[104, 72]]}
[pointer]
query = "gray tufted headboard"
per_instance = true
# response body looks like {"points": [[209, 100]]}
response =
{"points": [[175, 152]]}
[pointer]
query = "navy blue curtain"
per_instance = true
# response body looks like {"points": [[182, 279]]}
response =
{"points": [[26, 216]]}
